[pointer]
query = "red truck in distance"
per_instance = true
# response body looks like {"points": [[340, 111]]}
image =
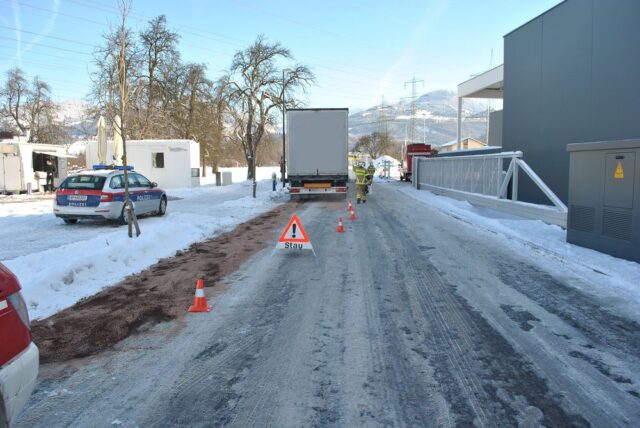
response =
{"points": [[413, 150]]}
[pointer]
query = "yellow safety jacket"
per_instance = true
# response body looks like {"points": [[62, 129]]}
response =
{"points": [[371, 171], [361, 175]]}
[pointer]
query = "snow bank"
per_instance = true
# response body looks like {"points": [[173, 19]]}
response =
{"points": [[394, 167], [239, 174], [58, 276], [605, 275]]}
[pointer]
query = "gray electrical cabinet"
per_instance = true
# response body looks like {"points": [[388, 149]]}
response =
{"points": [[604, 197]]}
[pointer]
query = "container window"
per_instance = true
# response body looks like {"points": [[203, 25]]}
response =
{"points": [[157, 160], [195, 172]]}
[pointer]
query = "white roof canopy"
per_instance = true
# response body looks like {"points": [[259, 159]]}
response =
{"points": [[489, 84]]}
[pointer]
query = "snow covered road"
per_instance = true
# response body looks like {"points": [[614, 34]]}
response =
{"points": [[411, 318], [58, 264]]}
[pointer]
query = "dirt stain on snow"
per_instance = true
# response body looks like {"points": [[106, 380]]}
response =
{"points": [[163, 292]]}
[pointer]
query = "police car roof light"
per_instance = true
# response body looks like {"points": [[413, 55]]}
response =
{"points": [[116, 167]]}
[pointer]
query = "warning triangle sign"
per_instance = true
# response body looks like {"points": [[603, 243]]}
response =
{"points": [[294, 236], [294, 232], [619, 174]]}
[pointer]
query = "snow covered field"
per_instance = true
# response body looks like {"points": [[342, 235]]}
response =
{"points": [[604, 275], [239, 174], [59, 264]]}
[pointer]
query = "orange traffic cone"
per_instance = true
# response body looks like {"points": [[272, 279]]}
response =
{"points": [[352, 215], [350, 207], [200, 301], [340, 228]]}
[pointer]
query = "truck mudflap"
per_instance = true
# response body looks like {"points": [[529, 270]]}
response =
{"points": [[317, 190]]}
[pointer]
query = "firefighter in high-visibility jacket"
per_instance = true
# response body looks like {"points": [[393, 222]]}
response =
{"points": [[361, 183], [371, 171]]}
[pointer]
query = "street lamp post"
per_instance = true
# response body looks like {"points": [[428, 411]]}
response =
{"points": [[283, 164]]}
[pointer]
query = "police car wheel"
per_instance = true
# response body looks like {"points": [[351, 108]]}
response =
{"points": [[162, 208], [70, 220]]}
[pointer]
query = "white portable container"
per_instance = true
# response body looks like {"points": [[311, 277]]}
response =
{"points": [[22, 165], [172, 164]]}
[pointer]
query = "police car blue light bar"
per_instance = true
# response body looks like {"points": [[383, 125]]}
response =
{"points": [[117, 167]]}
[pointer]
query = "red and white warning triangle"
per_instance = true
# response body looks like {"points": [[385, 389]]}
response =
{"points": [[294, 236]]}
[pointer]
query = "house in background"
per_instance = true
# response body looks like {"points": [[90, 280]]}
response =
{"points": [[465, 144]]}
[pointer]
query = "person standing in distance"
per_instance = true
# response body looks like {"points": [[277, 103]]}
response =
{"points": [[51, 170]]}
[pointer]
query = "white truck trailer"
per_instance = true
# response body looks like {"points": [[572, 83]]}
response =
{"points": [[317, 153]]}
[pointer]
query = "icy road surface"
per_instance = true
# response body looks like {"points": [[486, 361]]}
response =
{"points": [[410, 318]]}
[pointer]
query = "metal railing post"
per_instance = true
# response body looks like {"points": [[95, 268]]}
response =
{"points": [[514, 181]]}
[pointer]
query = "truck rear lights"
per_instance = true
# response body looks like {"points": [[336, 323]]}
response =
{"points": [[20, 307], [294, 190], [341, 190]]}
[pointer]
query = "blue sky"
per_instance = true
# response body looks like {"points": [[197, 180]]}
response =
{"points": [[359, 50]]}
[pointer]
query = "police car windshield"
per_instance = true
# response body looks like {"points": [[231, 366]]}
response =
{"points": [[86, 182]]}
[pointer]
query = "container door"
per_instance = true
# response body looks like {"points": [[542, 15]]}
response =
{"points": [[619, 180], [617, 214]]}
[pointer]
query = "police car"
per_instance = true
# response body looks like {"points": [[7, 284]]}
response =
{"points": [[99, 194]]}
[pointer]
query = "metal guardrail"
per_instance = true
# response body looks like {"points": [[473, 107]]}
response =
{"points": [[481, 180]]}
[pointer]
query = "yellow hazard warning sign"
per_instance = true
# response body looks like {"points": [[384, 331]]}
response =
{"points": [[619, 174]]}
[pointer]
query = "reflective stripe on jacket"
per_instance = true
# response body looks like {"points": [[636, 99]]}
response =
{"points": [[361, 175]]}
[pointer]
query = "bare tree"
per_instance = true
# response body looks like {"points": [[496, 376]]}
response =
{"points": [[105, 91], [30, 109], [159, 46], [41, 115], [376, 144], [255, 90], [14, 94]]}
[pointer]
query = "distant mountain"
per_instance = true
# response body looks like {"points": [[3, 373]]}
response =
{"points": [[73, 114], [436, 114]]}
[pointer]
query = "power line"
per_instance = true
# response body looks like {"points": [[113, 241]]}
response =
{"points": [[48, 46], [112, 10], [41, 53], [217, 37], [45, 64], [43, 35], [284, 18], [350, 95], [413, 97], [43, 9]]}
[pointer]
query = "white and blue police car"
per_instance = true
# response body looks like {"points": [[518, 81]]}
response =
{"points": [[99, 194]]}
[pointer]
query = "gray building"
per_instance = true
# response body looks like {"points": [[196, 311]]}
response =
{"points": [[571, 75]]}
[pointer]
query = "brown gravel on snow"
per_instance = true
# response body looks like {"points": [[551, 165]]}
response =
{"points": [[160, 293]]}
